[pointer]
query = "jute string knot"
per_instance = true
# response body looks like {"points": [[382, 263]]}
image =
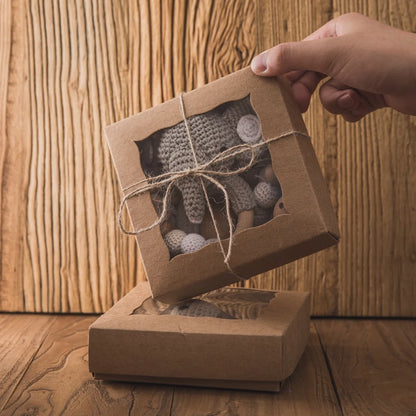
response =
{"points": [[203, 171]]}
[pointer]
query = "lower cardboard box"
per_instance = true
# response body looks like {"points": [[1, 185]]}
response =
{"points": [[229, 338]]}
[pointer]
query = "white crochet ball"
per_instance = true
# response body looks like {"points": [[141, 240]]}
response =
{"points": [[248, 128], [173, 240], [266, 194], [192, 242]]}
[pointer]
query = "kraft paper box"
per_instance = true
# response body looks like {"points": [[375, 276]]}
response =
{"points": [[230, 338], [307, 224]]}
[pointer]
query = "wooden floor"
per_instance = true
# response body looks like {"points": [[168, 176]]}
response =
{"points": [[350, 367]]}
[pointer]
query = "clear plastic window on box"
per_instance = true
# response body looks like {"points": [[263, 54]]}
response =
{"points": [[224, 303], [255, 195]]}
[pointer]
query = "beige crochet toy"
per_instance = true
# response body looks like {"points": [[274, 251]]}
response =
{"points": [[212, 133], [253, 195], [266, 195], [225, 303], [192, 242], [173, 240]]}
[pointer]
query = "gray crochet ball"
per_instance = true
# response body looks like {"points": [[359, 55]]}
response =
{"points": [[266, 194], [192, 242], [198, 308], [173, 240]]}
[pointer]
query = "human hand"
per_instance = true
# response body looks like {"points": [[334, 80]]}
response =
{"points": [[370, 65]]}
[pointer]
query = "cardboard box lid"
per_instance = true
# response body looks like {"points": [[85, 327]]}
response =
{"points": [[310, 227]]}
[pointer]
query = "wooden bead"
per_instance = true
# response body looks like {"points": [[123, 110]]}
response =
{"points": [[245, 220], [248, 128], [267, 175], [206, 228], [165, 227]]}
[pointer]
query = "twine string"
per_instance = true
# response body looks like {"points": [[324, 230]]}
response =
{"points": [[202, 171], [225, 254]]}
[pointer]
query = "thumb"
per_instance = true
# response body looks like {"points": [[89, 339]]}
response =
{"points": [[318, 55]]}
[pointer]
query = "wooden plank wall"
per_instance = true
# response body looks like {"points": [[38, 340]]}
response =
{"points": [[370, 168], [70, 68]]}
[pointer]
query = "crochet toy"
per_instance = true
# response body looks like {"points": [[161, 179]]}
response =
{"points": [[212, 133], [192, 242], [255, 195], [225, 303], [199, 308], [173, 240], [266, 195]]}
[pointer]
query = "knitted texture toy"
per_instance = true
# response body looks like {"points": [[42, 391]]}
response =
{"points": [[199, 308], [173, 240], [225, 303], [182, 221], [248, 128], [255, 195], [266, 195], [192, 242], [212, 133]]}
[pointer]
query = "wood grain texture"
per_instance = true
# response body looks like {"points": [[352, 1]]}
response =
{"points": [[377, 266], [370, 168], [308, 391], [58, 381], [58, 251], [20, 339], [350, 367], [70, 68], [373, 365], [290, 21]]}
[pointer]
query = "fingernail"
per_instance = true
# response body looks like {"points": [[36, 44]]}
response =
{"points": [[259, 64], [345, 102]]}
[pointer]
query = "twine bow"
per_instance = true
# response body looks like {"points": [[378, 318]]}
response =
{"points": [[202, 171]]}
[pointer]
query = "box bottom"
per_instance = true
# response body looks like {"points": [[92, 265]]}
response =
{"points": [[271, 386], [255, 349]]}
